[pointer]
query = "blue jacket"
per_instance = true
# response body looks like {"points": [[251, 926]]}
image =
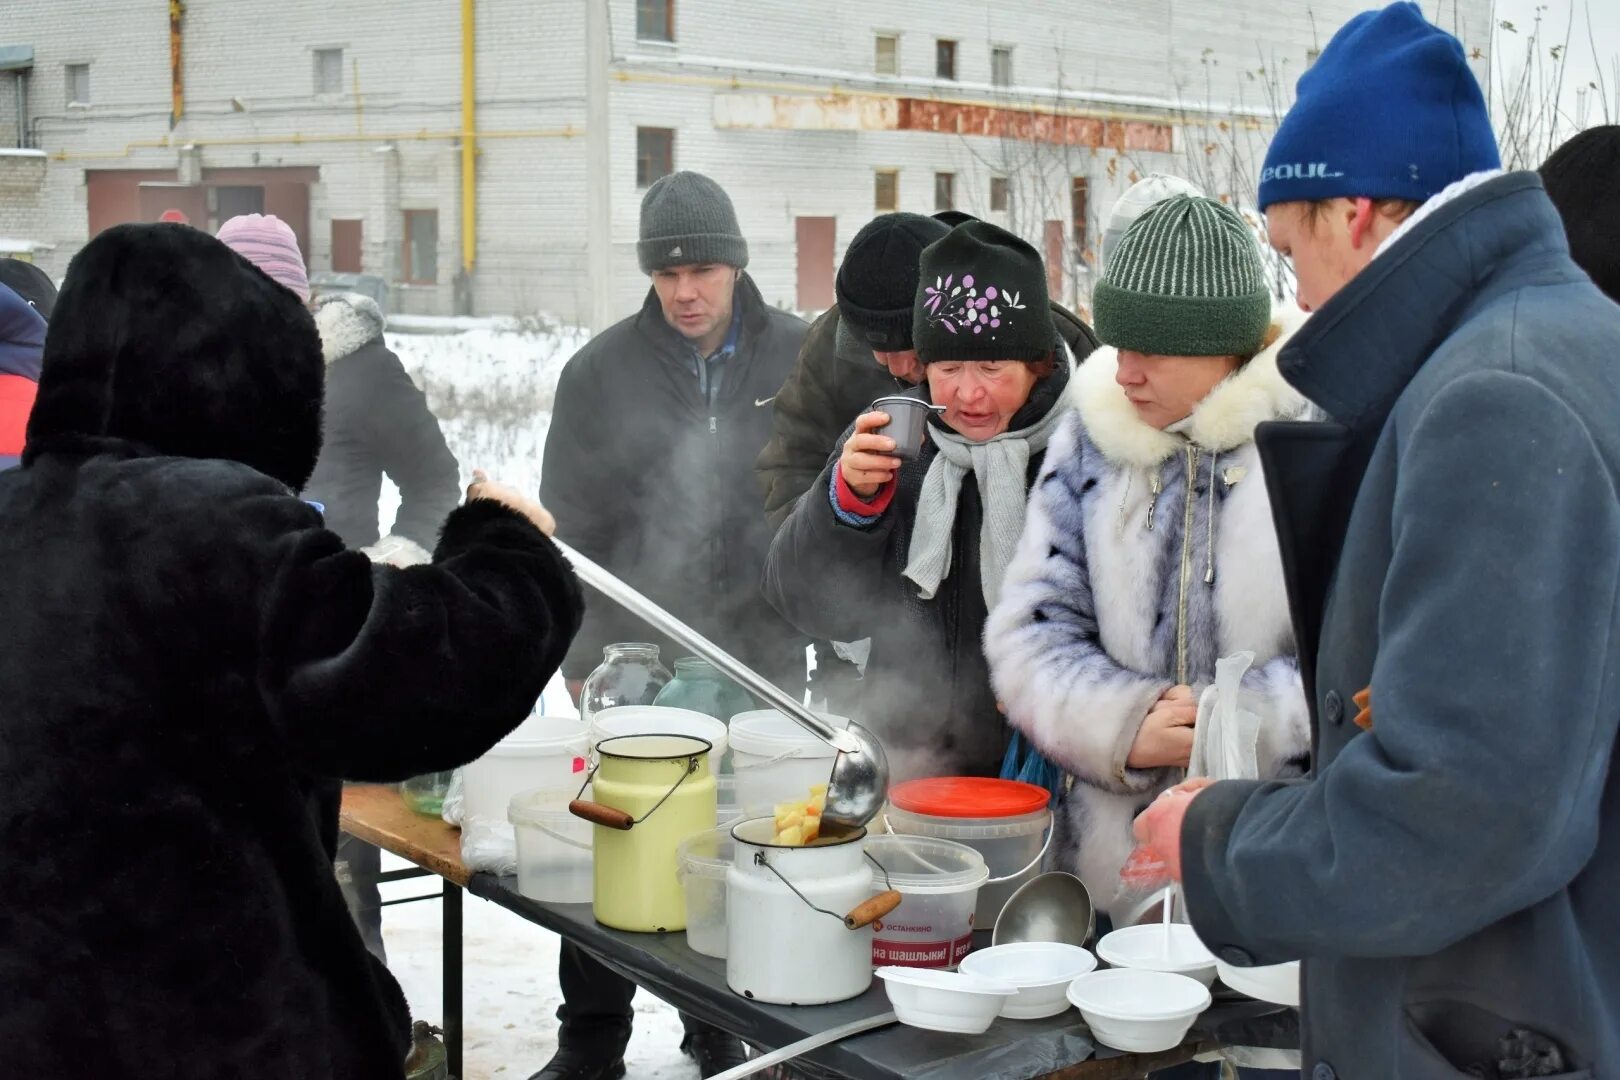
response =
{"points": [[1451, 871], [22, 344]]}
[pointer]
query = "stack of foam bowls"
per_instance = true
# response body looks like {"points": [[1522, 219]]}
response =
{"points": [[1136, 1010], [939, 881], [1040, 971], [775, 760], [1277, 983], [1155, 947], [944, 1000], [704, 860], [661, 720], [543, 752], [553, 846], [1006, 821]]}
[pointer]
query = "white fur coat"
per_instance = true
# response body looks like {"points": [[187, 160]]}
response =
{"points": [[1146, 556]]}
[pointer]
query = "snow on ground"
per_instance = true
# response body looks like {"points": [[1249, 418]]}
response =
{"points": [[491, 383]]}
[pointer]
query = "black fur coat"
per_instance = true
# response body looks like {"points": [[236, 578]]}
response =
{"points": [[189, 662]]}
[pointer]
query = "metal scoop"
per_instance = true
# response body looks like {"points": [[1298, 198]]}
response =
{"points": [[859, 784], [1049, 907]]}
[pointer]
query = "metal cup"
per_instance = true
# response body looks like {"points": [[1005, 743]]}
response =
{"points": [[907, 419]]}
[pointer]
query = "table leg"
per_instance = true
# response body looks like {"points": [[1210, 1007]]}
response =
{"points": [[452, 977]]}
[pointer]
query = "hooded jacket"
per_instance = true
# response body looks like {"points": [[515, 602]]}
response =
{"points": [[22, 344], [377, 424], [1147, 555], [190, 663]]}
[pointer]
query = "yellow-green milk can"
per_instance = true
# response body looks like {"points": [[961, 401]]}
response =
{"points": [[651, 792]]}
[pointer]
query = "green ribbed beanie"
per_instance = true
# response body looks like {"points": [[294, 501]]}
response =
{"points": [[1185, 280]]}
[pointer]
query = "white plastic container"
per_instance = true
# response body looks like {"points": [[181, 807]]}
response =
{"points": [[939, 881], [1277, 983], [1140, 1012], [1144, 947], [1006, 821], [1041, 971], [704, 860], [661, 720], [779, 948], [944, 1000], [553, 846], [775, 760], [543, 752]]}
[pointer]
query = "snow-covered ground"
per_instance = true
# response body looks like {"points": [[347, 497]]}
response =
{"points": [[491, 383]]}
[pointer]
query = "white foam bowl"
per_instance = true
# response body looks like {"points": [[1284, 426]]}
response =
{"points": [[1138, 1011], [944, 1000], [1143, 947], [1277, 983], [1041, 971]]}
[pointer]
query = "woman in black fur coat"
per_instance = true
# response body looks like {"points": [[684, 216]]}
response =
{"points": [[189, 664]]}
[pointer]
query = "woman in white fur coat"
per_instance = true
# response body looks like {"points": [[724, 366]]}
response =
{"points": [[1148, 551]]}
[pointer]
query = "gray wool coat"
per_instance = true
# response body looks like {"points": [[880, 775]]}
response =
{"points": [[1450, 872]]}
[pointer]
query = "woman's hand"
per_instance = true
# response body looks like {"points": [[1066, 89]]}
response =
{"points": [[483, 487], [866, 463], [1166, 736]]}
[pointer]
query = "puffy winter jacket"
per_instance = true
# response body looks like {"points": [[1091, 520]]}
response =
{"points": [[377, 424], [651, 481], [22, 342], [1146, 556]]}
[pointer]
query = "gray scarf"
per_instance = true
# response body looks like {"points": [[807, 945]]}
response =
{"points": [[1000, 467]]}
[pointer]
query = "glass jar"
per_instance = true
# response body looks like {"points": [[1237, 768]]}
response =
{"points": [[425, 794], [698, 686], [629, 674]]}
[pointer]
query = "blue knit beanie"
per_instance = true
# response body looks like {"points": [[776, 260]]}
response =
{"points": [[1389, 110]]}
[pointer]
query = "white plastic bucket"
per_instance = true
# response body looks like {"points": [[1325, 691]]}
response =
{"points": [[991, 816], [543, 752], [775, 760], [703, 862], [553, 846], [939, 881], [661, 720]]}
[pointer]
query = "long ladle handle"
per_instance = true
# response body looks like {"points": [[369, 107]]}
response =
{"points": [[616, 590]]}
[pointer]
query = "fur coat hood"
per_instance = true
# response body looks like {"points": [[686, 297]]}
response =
{"points": [[1146, 557], [347, 322]]}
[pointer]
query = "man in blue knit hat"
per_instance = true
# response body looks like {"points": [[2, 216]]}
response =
{"points": [[1451, 538]]}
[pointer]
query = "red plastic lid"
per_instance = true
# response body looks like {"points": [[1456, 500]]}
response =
{"points": [[969, 797]]}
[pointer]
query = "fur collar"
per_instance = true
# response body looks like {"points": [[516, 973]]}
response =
{"points": [[1223, 421], [347, 321]]}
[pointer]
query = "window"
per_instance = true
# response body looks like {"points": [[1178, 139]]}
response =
{"points": [[655, 155], [1079, 210], [1001, 65], [329, 71], [998, 194], [78, 84], [944, 191], [887, 61], [655, 20], [886, 190], [945, 59], [422, 247]]}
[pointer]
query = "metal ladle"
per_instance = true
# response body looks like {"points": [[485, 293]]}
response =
{"points": [[859, 784]]}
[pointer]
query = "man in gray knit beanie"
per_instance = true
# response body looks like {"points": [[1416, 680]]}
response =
{"points": [[649, 466]]}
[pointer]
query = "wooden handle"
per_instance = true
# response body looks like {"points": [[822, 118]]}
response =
{"points": [[605, 816], [873, 910]]}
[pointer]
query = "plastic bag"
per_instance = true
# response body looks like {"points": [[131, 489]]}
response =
{"points": [[487, 845], [1226, 737]]}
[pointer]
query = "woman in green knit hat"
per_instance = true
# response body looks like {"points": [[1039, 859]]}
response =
{"points": [[1148, 549]]}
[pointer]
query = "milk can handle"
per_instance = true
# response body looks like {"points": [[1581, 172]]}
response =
{"points": [[864, 914], [611, 818]]}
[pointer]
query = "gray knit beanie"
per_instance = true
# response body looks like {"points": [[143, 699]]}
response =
{"points": [[686, 218], [1185, 280]]}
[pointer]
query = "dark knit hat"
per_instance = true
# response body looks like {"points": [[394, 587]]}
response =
{"points": [[877, 282], [1390, 110], [686, 218], [982, 297], [29, 282], [1583, 180], [953, 218], [1185, 280]]}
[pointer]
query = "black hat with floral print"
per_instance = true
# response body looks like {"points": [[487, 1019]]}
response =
{"points": [[982, 296]]}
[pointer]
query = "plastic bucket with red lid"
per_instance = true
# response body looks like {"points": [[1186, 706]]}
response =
{"points": [[1007, 821]]}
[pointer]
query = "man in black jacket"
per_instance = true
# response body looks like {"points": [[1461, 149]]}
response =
{"points": [[657, 424]]}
